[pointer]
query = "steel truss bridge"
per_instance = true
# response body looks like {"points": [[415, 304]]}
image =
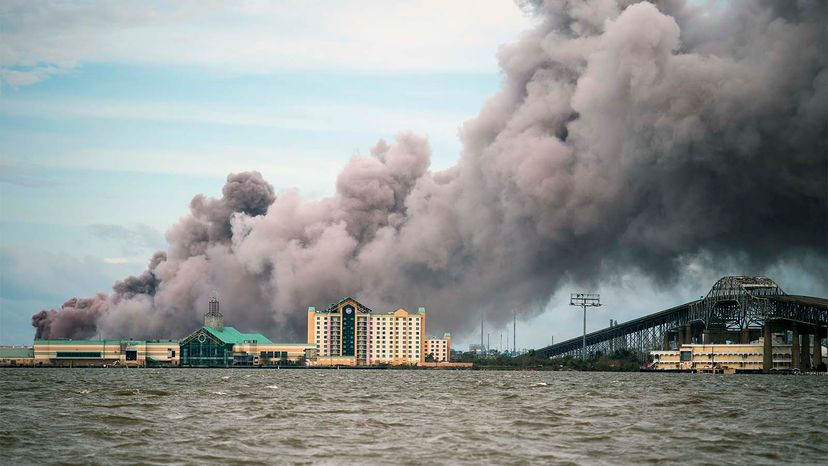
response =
{"points": [[736, 309]]}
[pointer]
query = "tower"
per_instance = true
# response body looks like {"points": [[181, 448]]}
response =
{"points": [[213, 318]]}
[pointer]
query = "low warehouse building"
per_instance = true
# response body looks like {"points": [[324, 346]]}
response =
{"points": [[97, 353], [16, 356]]}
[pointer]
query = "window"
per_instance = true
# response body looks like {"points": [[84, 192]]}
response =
{"points": [[78, 354]]}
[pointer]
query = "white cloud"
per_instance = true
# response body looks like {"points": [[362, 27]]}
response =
{"points": [[41, 39]]}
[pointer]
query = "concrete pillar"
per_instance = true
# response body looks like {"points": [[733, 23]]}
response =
{"points": [[665, 341], [805, 353], [767, 354], [688, 333], [795, 347], [817, 349], [744, 338]]}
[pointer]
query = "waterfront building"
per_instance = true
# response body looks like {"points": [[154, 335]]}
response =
{"points": [[438, 348], [96, 353], [215, 345], [16, 356], [725, 357], [349, 333]]}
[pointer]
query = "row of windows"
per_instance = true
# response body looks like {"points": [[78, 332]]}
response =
{"points": [[379, 345], [379, 321], [374, 333]]}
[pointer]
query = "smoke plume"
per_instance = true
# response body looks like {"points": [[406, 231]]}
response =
{"points": [[624, 137]]}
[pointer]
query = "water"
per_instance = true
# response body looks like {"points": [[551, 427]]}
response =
{"points": [[110, 416]]}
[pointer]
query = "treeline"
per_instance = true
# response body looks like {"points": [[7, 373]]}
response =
{"points": [[622, 360]]}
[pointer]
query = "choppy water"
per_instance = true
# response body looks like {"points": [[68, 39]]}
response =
{"points": [[108, 416]]}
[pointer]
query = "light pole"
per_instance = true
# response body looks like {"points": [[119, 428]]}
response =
{"points": [[585, 300]]}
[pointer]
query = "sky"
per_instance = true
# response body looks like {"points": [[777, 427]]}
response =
{"points": [[113, 116]]}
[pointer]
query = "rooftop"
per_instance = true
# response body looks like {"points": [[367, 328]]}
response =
{"points": [[231, 335]]}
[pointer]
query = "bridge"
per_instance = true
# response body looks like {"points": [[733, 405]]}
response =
{"points": [[737, 309]]}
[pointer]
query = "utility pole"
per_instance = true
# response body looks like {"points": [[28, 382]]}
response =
{"points": [[584, 300], [500, 348], [488, 342], [481, 335], [514, 332]]}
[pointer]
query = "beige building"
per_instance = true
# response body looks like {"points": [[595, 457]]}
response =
{"points": [[348, 333], [76, 353], [721, 357], [438, 348]]}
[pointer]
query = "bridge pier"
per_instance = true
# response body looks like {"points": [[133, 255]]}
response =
{"points": [[805, 352], [795, 362], [744, 337], [767, 353], [688, 333], [817, 360], [715, 335]]}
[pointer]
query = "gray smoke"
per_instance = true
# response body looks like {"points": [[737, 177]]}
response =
{"points": [[624, 137]]}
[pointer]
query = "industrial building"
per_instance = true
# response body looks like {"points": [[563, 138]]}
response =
{"points": [[214, 345], [350, 334], [438, 348]]}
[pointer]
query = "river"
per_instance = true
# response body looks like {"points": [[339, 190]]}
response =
{"points": [[203, 416]]}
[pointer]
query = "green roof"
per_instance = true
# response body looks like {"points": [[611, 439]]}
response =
{"points": [[8, 353], [231, 335]]}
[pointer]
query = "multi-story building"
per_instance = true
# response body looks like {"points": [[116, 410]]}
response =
{"points": [[438, 348], [349, 333]]}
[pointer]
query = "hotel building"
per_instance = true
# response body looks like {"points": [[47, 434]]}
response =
{"points": [[349, 333], [438, 348]]}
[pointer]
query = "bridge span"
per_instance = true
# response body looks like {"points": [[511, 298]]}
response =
{"points": [[737, 309]]}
